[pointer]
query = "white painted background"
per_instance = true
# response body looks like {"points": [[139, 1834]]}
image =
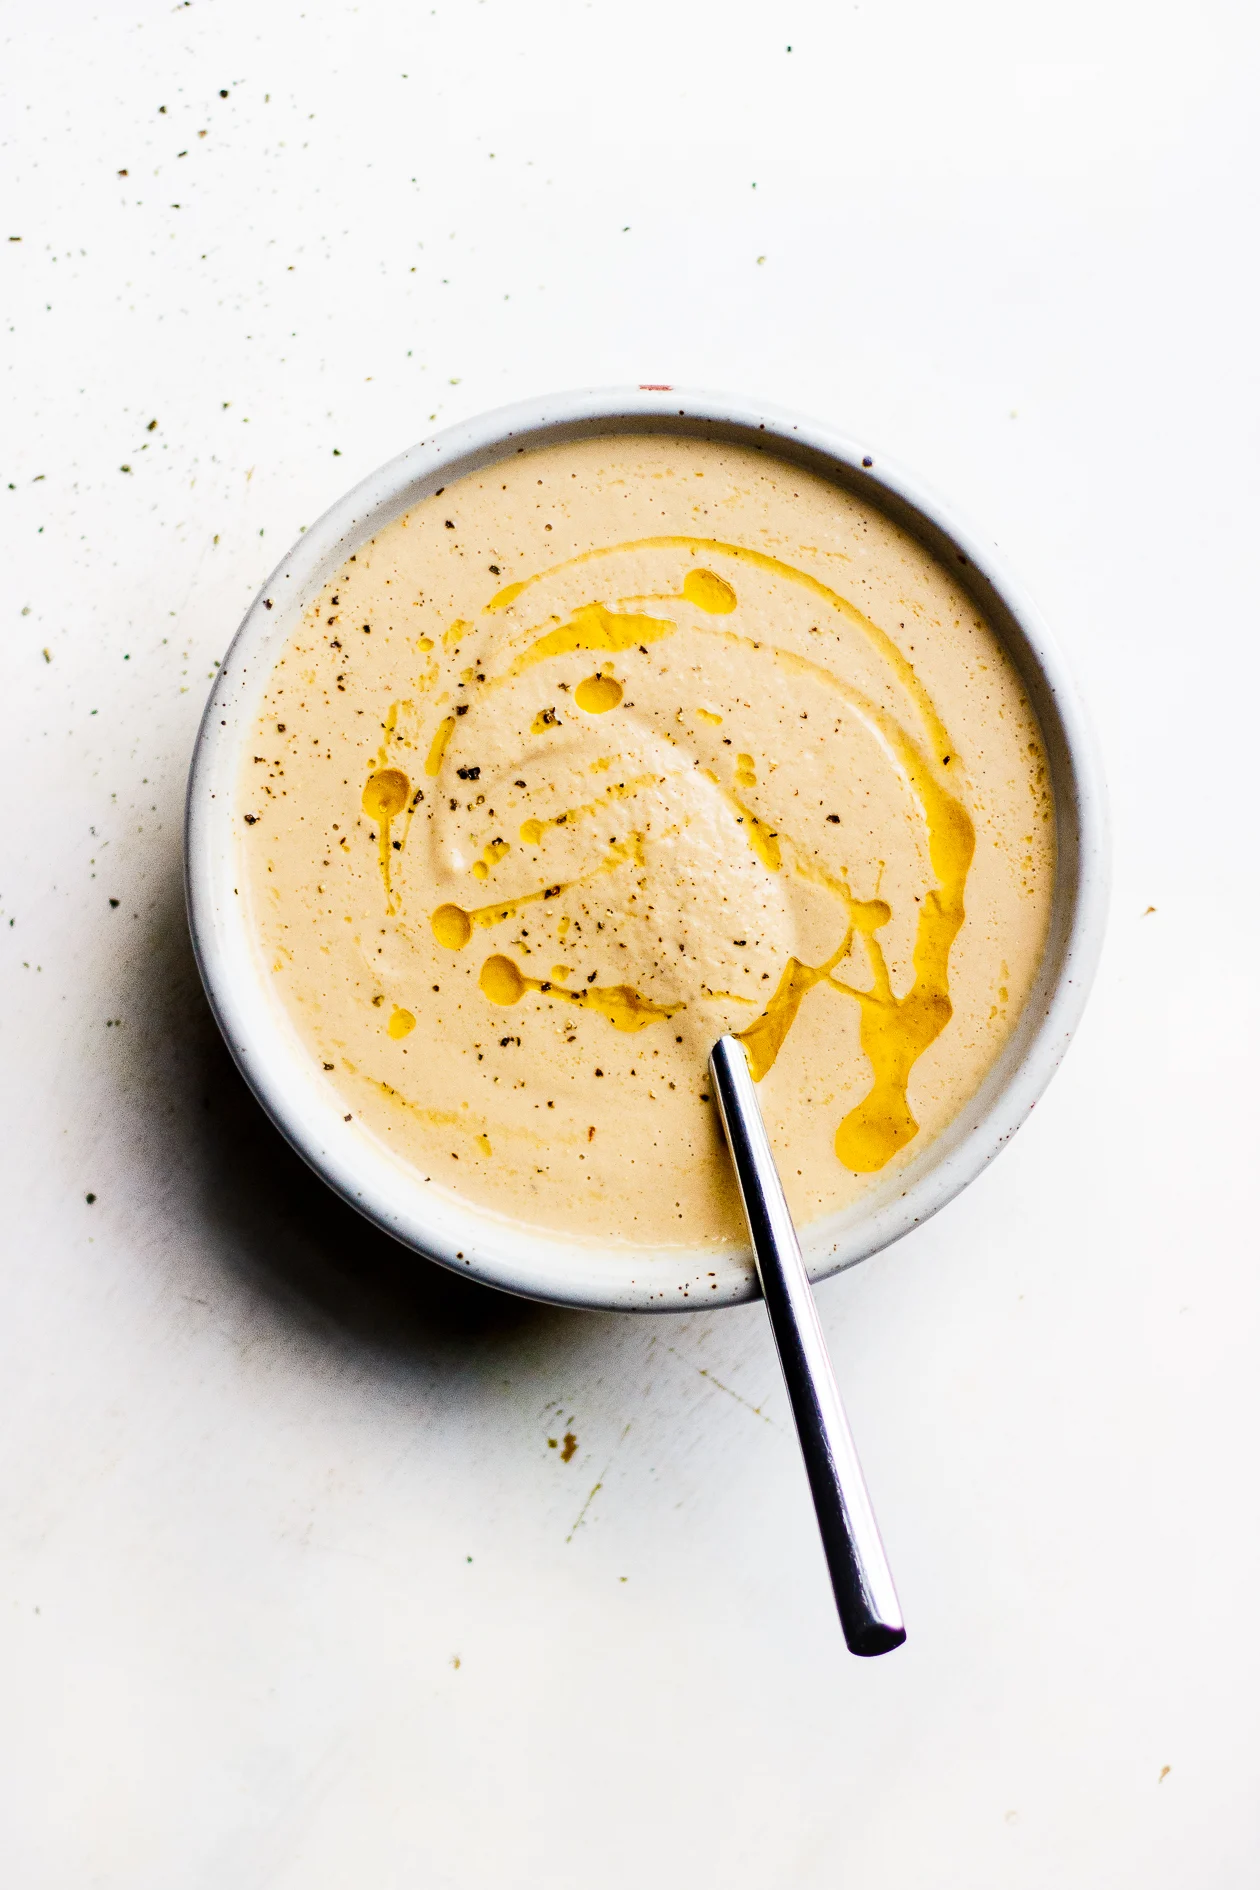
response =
{"points": [[265, 1480]]}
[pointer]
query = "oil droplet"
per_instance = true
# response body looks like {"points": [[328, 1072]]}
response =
{"points": [[483, 1143], [401, 1024], [708, 715], [508, 595], [453, 637], [385, 795], [424, 644], [545, 718], [384, 798], [437, 748], [451, 927], [500, 981], [598, 694], [707, 591], [490, 857], [532, 831], [745, 773], [868, 915]]}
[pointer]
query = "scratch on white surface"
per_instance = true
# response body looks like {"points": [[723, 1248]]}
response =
{"points": [[754, 1408], [597, 1487], [705, 1373]]}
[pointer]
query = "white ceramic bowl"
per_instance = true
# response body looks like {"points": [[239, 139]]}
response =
{"points": [[285, 1077]]}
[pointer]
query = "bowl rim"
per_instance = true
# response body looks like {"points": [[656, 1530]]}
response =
{"points": [[532, 1262]]}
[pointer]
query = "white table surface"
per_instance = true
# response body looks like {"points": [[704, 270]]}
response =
{"points": [[293, 1592]]}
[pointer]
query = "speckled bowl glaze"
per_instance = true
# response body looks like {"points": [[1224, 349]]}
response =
{"points": [[310, 1112]]}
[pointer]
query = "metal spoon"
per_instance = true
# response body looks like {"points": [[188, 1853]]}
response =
{"points": [[870, 1613]]}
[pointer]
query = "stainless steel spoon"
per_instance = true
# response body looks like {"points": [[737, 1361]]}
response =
{"points": [[870, 1613]]}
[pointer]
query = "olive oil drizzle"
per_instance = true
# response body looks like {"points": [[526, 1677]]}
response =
{"points": [[385, 797], [452, 925], [879, 639], [894, 1032], [503, 982]]}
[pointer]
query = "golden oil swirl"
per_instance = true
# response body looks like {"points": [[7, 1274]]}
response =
{"points": [[894, 1030]]}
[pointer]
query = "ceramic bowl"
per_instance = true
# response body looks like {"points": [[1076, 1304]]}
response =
{"points": [[285, 1077]]}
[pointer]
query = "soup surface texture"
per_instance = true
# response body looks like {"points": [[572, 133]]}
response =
{"points": [[616, 746]]}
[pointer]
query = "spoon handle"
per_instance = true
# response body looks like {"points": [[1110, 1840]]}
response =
{"points": [[870, 1613]]}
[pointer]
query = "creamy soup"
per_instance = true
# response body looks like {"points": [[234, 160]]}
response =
{"points": [[607, 750]]}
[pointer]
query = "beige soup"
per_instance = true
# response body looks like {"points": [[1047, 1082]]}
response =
{"points": [[612, 748]]}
